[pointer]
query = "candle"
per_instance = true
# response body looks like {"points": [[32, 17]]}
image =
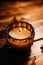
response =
{"points": [[20, 37], [20, 33]]}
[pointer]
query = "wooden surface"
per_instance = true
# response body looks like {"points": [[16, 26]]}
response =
{"points": [[38, 61], [27, 12]]}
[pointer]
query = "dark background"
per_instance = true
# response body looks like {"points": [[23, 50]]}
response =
{"points": [[12, 0], [39, 1]]}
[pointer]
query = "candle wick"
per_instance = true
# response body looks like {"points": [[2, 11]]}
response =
{"points": [[19, 30]]}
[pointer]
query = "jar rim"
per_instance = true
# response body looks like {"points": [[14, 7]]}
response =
{"points": [[9, 27]]}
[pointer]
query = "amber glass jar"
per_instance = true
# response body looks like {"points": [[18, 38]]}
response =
{"points": [[20, 43]]}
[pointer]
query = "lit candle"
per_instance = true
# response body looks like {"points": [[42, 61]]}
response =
{"points": [[20, 33]]}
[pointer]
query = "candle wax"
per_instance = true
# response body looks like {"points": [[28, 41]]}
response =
{"points": [[20, 33]]}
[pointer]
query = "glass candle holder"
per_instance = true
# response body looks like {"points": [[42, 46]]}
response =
{"points": [[20, 36]]}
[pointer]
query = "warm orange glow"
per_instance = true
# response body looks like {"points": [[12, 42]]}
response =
{"points": [[27, 16], [20, 30], [20, 33]]}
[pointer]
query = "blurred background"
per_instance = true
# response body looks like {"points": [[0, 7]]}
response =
{"points": [[30, 11]]}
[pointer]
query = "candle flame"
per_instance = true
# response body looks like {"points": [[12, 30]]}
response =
{"points": [[20, 29]]}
